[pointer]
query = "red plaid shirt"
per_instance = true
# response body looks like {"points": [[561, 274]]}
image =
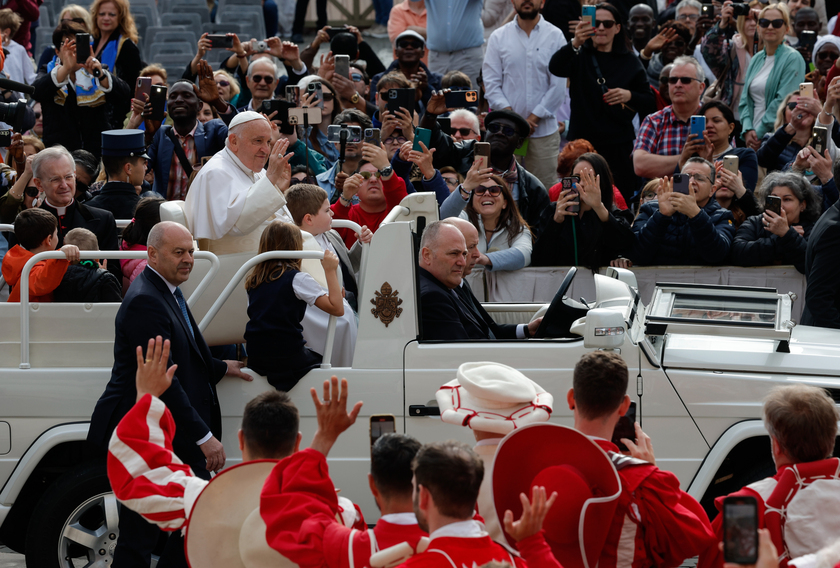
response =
{"points": [[662, 133], [178, 178]]}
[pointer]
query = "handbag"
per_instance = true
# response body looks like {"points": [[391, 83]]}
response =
{"points": [[715, 90], [603, 83]]}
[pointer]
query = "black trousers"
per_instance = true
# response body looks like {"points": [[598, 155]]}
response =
{"points": [[300, 14]]}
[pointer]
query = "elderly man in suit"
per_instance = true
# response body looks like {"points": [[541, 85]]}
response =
{"points": [[154, 305]]}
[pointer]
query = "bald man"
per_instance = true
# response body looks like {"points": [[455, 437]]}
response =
{"points": [[154, 305], [234, 195], [465, 293]]}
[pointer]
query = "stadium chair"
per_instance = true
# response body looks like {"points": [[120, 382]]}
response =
{"points": [[46, 19], [174, 48], [252, 20], [189, 20], [141, 21], [152, 31], [202, 11], [43, 38], [147, 10], [216, 28]]}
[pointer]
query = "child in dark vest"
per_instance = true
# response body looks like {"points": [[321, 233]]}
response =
{"points": [[87, 281], [278, 293]]}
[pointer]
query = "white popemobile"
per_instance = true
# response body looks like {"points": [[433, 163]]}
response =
{"points": [[702, 358]]}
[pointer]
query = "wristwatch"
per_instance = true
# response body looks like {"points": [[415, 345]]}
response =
{"points": [[386, 171], [355, 98]]}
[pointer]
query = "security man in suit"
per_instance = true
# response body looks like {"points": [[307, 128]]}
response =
{"points": [[154, 305], [822, 270]]}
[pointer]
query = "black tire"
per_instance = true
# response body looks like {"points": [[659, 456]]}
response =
{"points": [[76, 518]]}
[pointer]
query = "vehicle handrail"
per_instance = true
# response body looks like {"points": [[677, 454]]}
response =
{"points": [[236, 280], [396, 212], [93, 255], [6, 228], [356, 228]]}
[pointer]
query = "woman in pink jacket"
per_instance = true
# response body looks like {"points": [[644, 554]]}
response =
{"points": [[146, 216]]}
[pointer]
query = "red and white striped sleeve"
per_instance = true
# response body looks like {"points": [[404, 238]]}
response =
{"points": [[145, 474]]}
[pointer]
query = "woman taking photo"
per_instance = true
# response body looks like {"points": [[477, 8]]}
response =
{"points": [[773, 72], [318, 139], [720, 124], [771, 238], [608, 86], [729, 59], [595, 235], [504, 239]]}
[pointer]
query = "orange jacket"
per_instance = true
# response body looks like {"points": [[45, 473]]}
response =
{"points": [[44, 277]]}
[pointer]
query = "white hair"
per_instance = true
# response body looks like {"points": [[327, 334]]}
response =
{"points": [[686, 3], [50, 155], [466, 115], [266, 60], [688, 60]]}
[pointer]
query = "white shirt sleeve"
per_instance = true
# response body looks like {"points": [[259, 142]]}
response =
{"points": [[306, 288]]}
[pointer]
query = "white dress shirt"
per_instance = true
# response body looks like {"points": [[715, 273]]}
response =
{"points": [[516, 72]]}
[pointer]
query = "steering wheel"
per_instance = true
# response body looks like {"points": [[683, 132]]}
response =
{"points": [[556, 322]]}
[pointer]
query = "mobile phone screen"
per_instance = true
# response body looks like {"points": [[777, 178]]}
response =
{"points": [[740, 530], [381, 424]]}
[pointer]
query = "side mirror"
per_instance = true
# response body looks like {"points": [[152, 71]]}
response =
{"points": [[604, 329], [624, 275]]}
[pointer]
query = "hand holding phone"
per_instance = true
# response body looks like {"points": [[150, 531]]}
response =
{"points": [[681, 184], [773, 203], [481, 151], [381, 424]]}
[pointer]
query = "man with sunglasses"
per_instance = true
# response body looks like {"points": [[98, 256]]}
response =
{"points": [[663, 134], [261, 80], [684, 228], [506, 132], [409, 49], [516, 77]]}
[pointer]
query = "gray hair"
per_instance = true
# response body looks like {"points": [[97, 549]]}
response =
{"points": [[432, 233], [688, 60], [157, 235], [800, 187], [466, 115], [688, 3], [705, 162], [50, 155], [261, 60]]}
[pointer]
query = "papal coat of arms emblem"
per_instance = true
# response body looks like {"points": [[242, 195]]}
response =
{"points": [[387, 304]]}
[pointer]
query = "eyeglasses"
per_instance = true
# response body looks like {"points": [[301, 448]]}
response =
{"points": [[683, 80], [31, 192], [699, 178], [495, 128], [765, 23], [493, 190], [692, 17], [451, 182], [356, 78], [223, 83], [828, 55], [328, 97], [409, 45], [463, 131], [74, 20], [258, 78], [396, 140], [608, 24], [368, 175]]}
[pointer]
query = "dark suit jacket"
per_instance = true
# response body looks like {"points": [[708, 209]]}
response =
{"points": [[118, 197], [209, 138], [499, 331], [443, 315], [822, 270], [150, 309]]}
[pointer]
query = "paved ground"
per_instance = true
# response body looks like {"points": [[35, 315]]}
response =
{"points": [[9, 559]]}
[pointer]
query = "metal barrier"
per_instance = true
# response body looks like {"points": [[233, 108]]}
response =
{"points": [[243, 270], [122, 223], [92, 255], [396, 212]]}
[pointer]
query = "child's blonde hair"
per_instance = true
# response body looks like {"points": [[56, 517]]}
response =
{"points": [[277, 236]]}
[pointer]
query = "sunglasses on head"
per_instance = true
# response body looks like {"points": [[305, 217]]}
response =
{"points": [[31, 192], [368, 175], [683, 80], [608, 24], [258, 78], [495, 128], [223, 83], [765, 23], [493, 190]]}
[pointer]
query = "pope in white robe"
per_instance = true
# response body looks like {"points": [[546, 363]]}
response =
{"points": [[233, 196]]}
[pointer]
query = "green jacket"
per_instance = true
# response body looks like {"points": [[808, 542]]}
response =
{"points": [[788, 71]]}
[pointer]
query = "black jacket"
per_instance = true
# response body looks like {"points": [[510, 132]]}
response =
{"points": [[498, 331], [150, 309], [127, 67], [756, 246], [592, 118], [443, 315], [678, 240], [822, 269], [597, 243], [74, 126], [118, 197], [87, 283], [533, 197]]}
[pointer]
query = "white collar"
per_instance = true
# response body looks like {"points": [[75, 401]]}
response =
{"points": [[60, 210], [488, 442], [399, 518], [165, 281], [460, 529]]}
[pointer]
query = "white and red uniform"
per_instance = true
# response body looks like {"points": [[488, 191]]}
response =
{"points": [[800, 506], [298, 506], [145, 474], [656, 523], [467, 544]]}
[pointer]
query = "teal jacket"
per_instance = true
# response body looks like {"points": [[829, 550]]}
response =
{"points": [[788, 71]]}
